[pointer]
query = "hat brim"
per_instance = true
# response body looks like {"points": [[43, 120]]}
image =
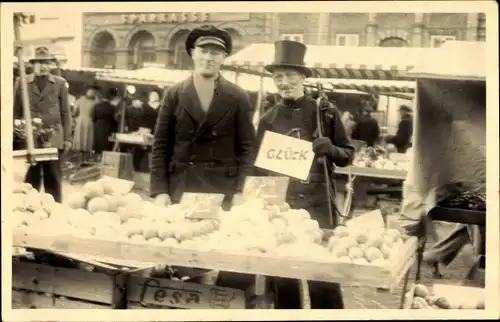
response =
{"points": [[219, 33], [302, 69], [35, 60]]}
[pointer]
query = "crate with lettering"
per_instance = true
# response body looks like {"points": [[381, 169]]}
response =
{"points": [[117, 165], [157, 293], [41, 286]]}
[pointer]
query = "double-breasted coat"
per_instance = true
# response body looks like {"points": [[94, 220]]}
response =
{"points": [[51, 105], [198, 151]]}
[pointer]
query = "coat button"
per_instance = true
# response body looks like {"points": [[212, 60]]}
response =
{"points": [[214, 133]]}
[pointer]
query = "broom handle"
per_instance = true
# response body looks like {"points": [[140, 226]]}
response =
{"points": [[24, 89]]}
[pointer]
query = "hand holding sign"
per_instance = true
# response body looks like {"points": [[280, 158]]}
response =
{"points": [[201, 205], [285, 155]]}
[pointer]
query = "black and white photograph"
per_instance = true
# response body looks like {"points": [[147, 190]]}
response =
{"points": [[216, 157]]}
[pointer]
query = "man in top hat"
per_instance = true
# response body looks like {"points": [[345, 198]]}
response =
{"points": [[204, 140], [295, 114], [402, 139], [48, 98]]}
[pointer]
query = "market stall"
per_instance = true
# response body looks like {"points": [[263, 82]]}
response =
{"points": [[447, 177]]}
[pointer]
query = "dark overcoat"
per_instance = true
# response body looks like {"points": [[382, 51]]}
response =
{"points": [[51, 105], [194, 151]]}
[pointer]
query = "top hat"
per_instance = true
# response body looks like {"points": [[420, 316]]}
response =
{"points": [[112, 93], [42, 54], [209, 35], [289, 54]]}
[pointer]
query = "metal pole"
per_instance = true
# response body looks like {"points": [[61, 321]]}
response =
{"points": [[24, 88]]}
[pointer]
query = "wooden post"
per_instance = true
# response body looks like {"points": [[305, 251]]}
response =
{"points": [[24, 87]]}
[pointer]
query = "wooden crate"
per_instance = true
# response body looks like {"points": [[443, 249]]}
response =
{"points": [[372, 172], [239, 262], [117, 165], [44, 286]]}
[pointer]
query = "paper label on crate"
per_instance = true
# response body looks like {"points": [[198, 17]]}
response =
{"points": [[168, 293], [201, 205], [286, 155], [119, 185], [372, 220], [271, 189]]}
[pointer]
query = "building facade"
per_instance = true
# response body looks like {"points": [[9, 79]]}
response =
{"points": [[135, 40]]}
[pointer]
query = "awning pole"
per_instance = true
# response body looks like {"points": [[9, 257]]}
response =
{"points": [[260, 94]]}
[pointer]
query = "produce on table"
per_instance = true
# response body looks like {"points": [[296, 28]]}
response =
{"points": [[253, 226], [424, 299], [369, 157]]}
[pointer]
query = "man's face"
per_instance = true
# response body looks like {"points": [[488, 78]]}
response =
{"points": [[289, 82], [154, 97], [41, 67], [91, 93], [208, 59]]}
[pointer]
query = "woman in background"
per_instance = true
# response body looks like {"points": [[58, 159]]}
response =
{"points": [[150, 111], [103, 117], [83, 137], [348, 120]]}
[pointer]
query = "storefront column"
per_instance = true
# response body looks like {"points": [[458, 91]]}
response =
{"points": [[86, 58], [162, 56], [418, 26], [471, 31], [371, 30], [121, 59], [323, 28]]}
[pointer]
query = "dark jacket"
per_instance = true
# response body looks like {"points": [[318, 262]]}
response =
{"points": [[103, 117], [403, 136], [198, 152], [284, 117], [149, 117], [367, 130], [51, 105]]}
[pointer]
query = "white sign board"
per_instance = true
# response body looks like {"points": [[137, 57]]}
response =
{"points": [[286, 155], [372, 220], [271, 189]]}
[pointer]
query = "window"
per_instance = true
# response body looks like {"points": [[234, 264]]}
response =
{"points": [[294, 37], [437, 41], [347, 39]]}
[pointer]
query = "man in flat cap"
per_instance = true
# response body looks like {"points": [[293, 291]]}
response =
{"points": [[48, 97], [204, 140], [402, 139], [295, 114]]}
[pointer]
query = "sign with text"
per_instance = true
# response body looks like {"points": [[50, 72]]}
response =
{"points": [[163, 292], [286, 155], [201, 205], [160, 17], [271, 189]]}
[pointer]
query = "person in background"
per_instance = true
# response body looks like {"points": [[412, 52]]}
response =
{"points": [[150, 111], [402, 139], [296, 115], [48, 97], [133, 115], [366, 128], [83, 138], [105, 124]]}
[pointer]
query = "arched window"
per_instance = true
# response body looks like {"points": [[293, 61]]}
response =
{"points": [[142, 50], [393, 42], [180, 59], [103, 54]]}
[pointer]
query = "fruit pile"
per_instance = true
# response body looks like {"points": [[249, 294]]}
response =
{"points": [[362, 246], [254, 226], [372, 158], [424, 299]]}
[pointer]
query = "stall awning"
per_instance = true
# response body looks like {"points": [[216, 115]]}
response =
{"points": [[457, 60], [364, 85], [383, 63]]}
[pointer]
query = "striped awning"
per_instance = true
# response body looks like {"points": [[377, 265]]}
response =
{"points": [[455, 60], [382, 87], [382, 63]]}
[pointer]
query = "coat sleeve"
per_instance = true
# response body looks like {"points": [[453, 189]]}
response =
{"points": [[161, 152], [18, 101], [339, 138], [66, 117], [246, 144]]}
